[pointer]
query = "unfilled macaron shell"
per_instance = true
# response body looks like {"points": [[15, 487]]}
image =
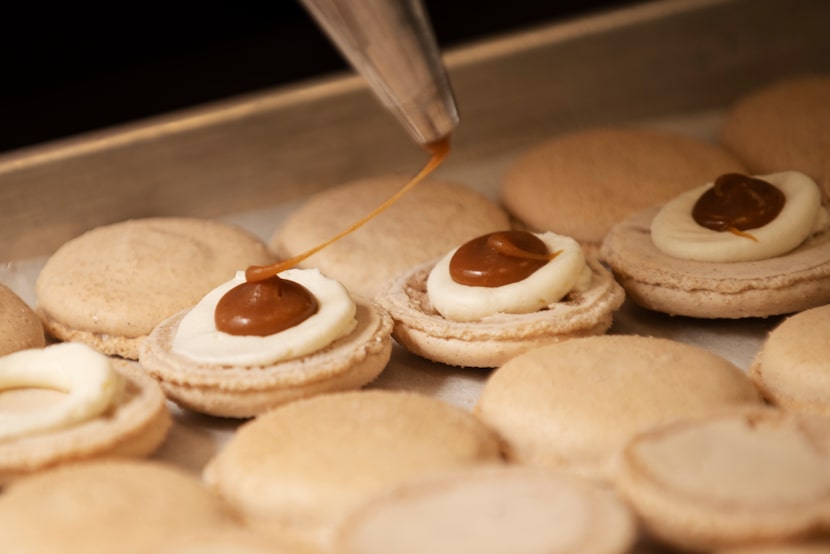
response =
{"points": [[491, 511], [792, 370], [106, 507], [752, 477], [576, 403], [783, 126], [301, 467], [20, 327]]}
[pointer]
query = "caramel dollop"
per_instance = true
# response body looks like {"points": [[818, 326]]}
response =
{"points": [[738, 202], [498, 259], [264, 307]]}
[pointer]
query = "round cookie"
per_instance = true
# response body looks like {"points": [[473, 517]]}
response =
{"points": [[110, 286], [426, 222], [20, 327], [230, 541], [791, 369], [135, 427], [301, 467], [795, 281], [491, 341], [752, 477], [783, 126], [106, 507], [581, 183], [247, 390], [576, 403], [491, 511]]}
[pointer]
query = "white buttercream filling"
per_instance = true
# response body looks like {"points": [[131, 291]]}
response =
{"points": [[675, 232], [90, 384], [198, 338], [549, 284]]}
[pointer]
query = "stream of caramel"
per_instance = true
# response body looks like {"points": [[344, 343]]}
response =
{"points": [[438, 151]]}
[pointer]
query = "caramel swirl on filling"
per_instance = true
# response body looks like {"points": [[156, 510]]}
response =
{"points": [[264, 307], [499, 259], [738, 202]]}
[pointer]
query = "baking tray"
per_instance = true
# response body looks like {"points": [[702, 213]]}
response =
{"points": [[250, 160]]}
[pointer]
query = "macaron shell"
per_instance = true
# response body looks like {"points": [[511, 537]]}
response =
{"points": [[493, 340], [793, 282], [783, 126], [135, 427], [791, 369], [20, 327], [303, 465], [245, 391], [576, 403]]}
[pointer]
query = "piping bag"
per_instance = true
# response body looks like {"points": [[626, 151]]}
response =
{"points": [[391, 44]]}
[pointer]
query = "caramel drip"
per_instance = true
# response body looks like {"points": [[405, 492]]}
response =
{"points": [[438, 150], [499, 259]]}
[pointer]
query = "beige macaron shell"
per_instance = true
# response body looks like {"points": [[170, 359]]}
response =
{"points": [[491, 511], [110, 286], [304, 465], [495, 339], [579, 184], [792, 370], [793, 282], [244, 391], [135, 427], [425, 223], [752, 477], [20, 327], [783, 126], [106, 507], [576, 403], [231, 541]]}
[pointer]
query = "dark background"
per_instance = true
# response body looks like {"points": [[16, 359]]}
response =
{"points": [[74, 67]]}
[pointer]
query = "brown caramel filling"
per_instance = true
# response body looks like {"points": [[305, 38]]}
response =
{"points": [[264, 307], [738, 202], [499, 259], [251, 309]]}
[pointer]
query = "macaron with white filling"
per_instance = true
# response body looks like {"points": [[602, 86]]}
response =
{"points": [[670, 263], [499, 295], [342, 345], [67, 402]]}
